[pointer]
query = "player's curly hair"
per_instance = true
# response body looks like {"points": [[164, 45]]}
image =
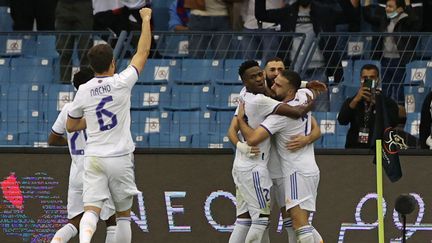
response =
{"points": [[246, 65]]}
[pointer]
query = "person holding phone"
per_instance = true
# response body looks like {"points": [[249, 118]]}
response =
{"points": [[359, 110]]}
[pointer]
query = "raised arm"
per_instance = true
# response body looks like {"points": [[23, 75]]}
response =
{"points": [[144, 42]]}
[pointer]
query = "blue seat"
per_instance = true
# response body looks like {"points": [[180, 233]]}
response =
{"points": [[412, 124], [46, 46], [4, 70], [147, 123], [218, 124], [157, 71], [225, 96], [9, 138], [172, 45], [189, 96], [149, 96], [336, 96], [419, 73], [9, 108], [414, 97], [231, 67], [31, 70], [5, 19], [332, 134], [160, 14], [200, 70], [55, 97], [347, 67], [17, 45]]}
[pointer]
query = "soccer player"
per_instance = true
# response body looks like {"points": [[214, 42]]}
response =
{"points": [[301, 174], [102, 107], [76, 142], [250, 171]]}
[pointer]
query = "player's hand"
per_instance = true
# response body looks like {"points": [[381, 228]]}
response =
{"points": [[145, 14], [364, 93], [241, 111], [317, 86], [297, 142], [249, 151]]}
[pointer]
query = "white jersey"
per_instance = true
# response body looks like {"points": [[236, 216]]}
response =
{"points": [[76, 140], [302, 160], [105, 104], [257, 108], [104, 5]]}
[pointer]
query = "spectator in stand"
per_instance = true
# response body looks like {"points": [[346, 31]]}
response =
{"points": [[67, 19], [253, 45], [359, 110], [426, 123], [211, 16], [178, 16], [133, 7], [309, 17], [24, 13], [394, 51], [110, 15]]}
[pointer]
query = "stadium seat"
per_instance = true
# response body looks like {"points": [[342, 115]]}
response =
{"points": [[218, 124], [189, 96], [412, 124], [185, 125], [31, 70], [414, 97], [157, 71], [55, 97], [46, 46], [17, 45], [231, 67], [333, 135], [4, 70], [419, 73], [160, 14], [168, 45], [144, 123], [225, 97], [5, 19], [336, 96], [8, 138], [150, 96], [347, 78], [200, 71]]}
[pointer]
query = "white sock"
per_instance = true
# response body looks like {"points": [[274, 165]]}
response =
{"points": [[123, 231], [64, 234], [317, 236], [88, 226], [110, 234], [256, 231], [240, 231], [304, 234], [287, 223]]}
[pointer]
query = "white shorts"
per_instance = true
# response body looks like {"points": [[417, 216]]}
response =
{"points": [[301, 190], [110, 176], [253, 191], [75, 204]]}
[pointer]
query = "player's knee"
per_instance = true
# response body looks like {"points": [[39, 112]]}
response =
{"points": [[123, 207], [93, 206]]}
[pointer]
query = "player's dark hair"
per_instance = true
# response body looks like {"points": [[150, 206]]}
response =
{"points": [[292, 77], [100, 57], [369, 67], [81, 77], [246, 65], [273, 59]]}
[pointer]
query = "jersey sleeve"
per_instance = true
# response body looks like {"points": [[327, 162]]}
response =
{"points": [[129, 76], [76, 110], [59, 126], [273, 124], [267, 105]]}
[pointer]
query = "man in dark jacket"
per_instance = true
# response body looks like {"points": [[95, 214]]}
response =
{"points": [[359, 110]]}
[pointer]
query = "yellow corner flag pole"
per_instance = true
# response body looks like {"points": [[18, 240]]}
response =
{"points": [[379, 191]]}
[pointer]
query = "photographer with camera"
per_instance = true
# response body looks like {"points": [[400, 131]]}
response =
{"points": [[359, 110]]}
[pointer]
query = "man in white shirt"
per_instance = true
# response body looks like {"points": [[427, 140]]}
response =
{"points": [[250, 171], [102, 107], [76, 142], [301, 174]]}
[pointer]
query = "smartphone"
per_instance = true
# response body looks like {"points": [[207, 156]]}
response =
{"points": [[370, 83]]}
